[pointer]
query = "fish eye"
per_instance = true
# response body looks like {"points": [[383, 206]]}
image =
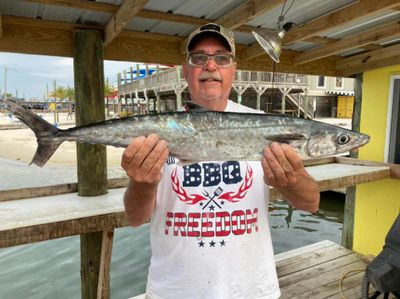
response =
{"points": [[343, 139]]}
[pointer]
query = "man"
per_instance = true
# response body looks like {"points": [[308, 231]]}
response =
{"points": [[209, 228]]}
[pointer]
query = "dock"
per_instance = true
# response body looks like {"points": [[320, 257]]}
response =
{"points": [[45, 213], [314, 271]]}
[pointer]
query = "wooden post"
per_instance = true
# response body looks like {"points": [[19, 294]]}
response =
{"points": [[92, 162], [349, 206], [103, 290]]}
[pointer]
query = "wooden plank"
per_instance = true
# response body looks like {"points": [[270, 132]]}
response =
{"points": [[358, 63], [394, 168], [320, 256], [125, 13], [246, 12], [89, 5], [334, 176], [324, 286], [370, 65], [15, 194], [302, 250], [326, 40], [340, 17], [390, 30], [61, 229], [1, 27], [6, 195], [103, 290], [317, 270]]}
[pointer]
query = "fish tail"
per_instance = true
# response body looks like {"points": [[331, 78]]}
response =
{"points": [[42, 129]]}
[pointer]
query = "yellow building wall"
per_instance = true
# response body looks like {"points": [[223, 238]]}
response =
{"points": [[378, 203]]}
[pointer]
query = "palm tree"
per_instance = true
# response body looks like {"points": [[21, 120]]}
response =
{"points": [[70, 95], [108, 92]]}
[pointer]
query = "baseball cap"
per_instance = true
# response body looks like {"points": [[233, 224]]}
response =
{"points": [[212, 29]]}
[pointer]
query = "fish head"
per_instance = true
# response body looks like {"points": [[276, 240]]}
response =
{"points": [[331, 140]]}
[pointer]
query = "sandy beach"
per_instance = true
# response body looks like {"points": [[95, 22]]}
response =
{"points": [[20, 144]]}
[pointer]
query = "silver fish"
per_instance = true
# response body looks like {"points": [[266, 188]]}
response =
{"points": [[200, 136]]}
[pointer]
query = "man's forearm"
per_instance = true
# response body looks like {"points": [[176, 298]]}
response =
{"points": [[305, 196], [139, 201]]}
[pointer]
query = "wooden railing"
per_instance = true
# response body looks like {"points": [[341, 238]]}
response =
{"points": [[166, 79]]}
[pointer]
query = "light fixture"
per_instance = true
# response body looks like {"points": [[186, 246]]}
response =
{"points": [[271, 40]]}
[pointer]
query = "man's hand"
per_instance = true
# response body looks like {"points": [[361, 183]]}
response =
{"points": [[143, 160], [284, 170]]}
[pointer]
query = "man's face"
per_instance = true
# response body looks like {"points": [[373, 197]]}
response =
{"points": [[210, 85]]}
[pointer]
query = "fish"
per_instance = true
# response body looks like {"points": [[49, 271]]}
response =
{"points": [[199, 135]]}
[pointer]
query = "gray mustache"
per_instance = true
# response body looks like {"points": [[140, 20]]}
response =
{"points": [[210, 75]]}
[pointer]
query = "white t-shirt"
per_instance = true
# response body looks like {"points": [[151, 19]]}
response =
{"points": [[209, 233]]}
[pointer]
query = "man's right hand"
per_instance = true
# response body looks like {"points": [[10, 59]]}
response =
{"points": [[142, 161], [144, 158]]}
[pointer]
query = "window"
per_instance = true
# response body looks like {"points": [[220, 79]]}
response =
{"points": [[392, 152], [338, 82], [321, 81]]}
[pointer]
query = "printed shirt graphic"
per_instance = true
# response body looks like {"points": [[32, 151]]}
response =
{"points": [[210, 236]]}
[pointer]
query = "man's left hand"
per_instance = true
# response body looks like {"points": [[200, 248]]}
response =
{"points": [[284, 170]]}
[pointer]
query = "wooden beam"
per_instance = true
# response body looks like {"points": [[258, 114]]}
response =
{"points": [[326, 40], [144, 13], [340, 17], [246, 12], [374, 59], [103, 289], [391, 30], [242, 14], [60, 229], [79, 4], [53, 38], [321, 40], [1, 27], [125, 13]]}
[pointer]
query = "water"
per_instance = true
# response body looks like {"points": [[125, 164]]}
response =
{"points": [[51, 269]]}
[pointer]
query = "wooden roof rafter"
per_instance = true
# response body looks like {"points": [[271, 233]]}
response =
{"points": [[354, 41], [337, 18], [125, 13], [372, 59], [242, 14]]}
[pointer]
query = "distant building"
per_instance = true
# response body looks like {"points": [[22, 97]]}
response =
{"points": [[166, 90]]}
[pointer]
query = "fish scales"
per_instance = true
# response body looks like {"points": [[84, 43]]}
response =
{"points": [[200, 136]]}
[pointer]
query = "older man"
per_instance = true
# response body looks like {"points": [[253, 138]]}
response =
{"points": [[210, 236]]}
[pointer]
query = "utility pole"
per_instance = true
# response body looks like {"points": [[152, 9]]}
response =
{"points": [[47, 98], [5, 83], [56, 119]]}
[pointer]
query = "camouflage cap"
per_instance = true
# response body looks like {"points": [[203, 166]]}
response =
{"points": [[215, 29]]}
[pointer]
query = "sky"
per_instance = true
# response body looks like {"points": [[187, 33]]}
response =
{"points": [[29, 74]]}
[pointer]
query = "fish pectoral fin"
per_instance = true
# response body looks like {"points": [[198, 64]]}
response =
{"points": [[285, 138]]}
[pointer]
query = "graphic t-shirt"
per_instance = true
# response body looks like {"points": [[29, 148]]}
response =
{"points": [[209, 233]]}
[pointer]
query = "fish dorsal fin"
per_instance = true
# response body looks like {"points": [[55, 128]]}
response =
{"points": [[285, 138], [193, 107]]}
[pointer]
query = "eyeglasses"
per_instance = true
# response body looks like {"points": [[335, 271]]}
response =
{"points": [[200, 59]]}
